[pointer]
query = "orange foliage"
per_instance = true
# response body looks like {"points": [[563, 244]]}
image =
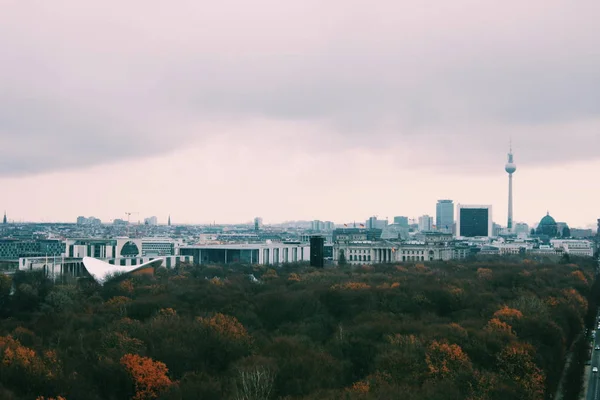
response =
{"points": [[516, 361], [149, 376], [484, 273], [395, 285], [270, 274], [351, 286], [50, 398], [126, 286], [551, 301], [216, 281], [495, 325], [458, 329], [421, 268], [572, 296], [360, 387], [294, 277], [445, 359], [403, 340], [455, 290], [167, 312], [225, 325], [579, 276], [508, 313], [400, 268], [118, 301], [14, 354]]}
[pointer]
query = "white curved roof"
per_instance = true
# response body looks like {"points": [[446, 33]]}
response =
{"points": [[101, 270]]}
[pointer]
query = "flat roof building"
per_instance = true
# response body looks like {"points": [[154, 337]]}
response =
{"points": [[474, 221]]}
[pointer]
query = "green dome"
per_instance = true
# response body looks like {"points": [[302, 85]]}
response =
{"points": [[547, 220]]}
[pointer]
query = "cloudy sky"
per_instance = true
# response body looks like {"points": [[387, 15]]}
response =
{"points": [[335, 110]]}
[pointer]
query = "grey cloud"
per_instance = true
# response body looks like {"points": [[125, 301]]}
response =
{"points": [[86, 85]]}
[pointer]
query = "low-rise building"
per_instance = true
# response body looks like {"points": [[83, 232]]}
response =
{"points": [[248, 253]]}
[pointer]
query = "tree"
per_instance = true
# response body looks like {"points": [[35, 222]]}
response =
{"points": [[566, 232], [342, 258], [149, 376]]}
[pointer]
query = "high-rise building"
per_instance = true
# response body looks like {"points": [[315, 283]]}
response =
{"points": [[374, 223], [317, 254], [258, 221], [402, 221], [474, 221], [169, 220], [4, 220], [510, 167], [425, 223], [153, 221], [444, 216]]}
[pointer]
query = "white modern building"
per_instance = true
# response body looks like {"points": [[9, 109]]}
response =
{"points": [[121, 247], [252, 253], [583, 248], [474, 221]]}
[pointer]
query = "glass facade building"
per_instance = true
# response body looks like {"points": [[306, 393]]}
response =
{"points": [[474, 221], [444, 216]]}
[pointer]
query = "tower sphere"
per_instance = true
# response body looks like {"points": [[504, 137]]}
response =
{"points": [[510, 168]]}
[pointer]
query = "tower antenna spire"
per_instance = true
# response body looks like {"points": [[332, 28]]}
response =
{"points": [[510, 168]]}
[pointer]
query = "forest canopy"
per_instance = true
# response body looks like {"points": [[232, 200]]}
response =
{"points": [[494, 329]]}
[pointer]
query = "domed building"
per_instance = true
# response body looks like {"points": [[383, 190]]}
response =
{"points": [[547, 226]]}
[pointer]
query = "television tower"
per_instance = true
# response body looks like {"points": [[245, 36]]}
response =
{"points": [[510, 167]]}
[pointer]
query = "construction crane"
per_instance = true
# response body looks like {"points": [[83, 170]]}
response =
{"points": [[128, 213]]}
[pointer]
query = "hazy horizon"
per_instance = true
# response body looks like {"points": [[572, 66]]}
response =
{"points": [[231, 110]]}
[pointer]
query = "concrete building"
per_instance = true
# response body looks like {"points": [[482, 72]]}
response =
{"points": [[88, 221], [444, 216], [152, 221], [583, 248], [425, 223], [474, 221], [257, 253], [374, 223], [358, 253], [402, 221], [521, 228]]}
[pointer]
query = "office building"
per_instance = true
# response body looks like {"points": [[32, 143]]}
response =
{"points": [[152, 221], [444, 216], [474, 221], [317, 253], [257, 253], [425, 223], [402, 221]]}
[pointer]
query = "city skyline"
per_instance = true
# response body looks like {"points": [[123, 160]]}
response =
{"points": [[298, 111]]}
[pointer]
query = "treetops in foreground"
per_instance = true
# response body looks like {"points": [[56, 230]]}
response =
{"points": [[477, 330]]}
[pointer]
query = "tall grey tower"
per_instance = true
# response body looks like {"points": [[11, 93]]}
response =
{"points": [[510, 167]]}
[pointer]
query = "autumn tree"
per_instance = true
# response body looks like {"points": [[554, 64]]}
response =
{"points": [[446, 360], [149, 376]]}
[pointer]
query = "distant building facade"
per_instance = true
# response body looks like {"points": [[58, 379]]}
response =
{"points": [[474, 220], [401, 221], [425, 223], [11, 249], [444, 216]]}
